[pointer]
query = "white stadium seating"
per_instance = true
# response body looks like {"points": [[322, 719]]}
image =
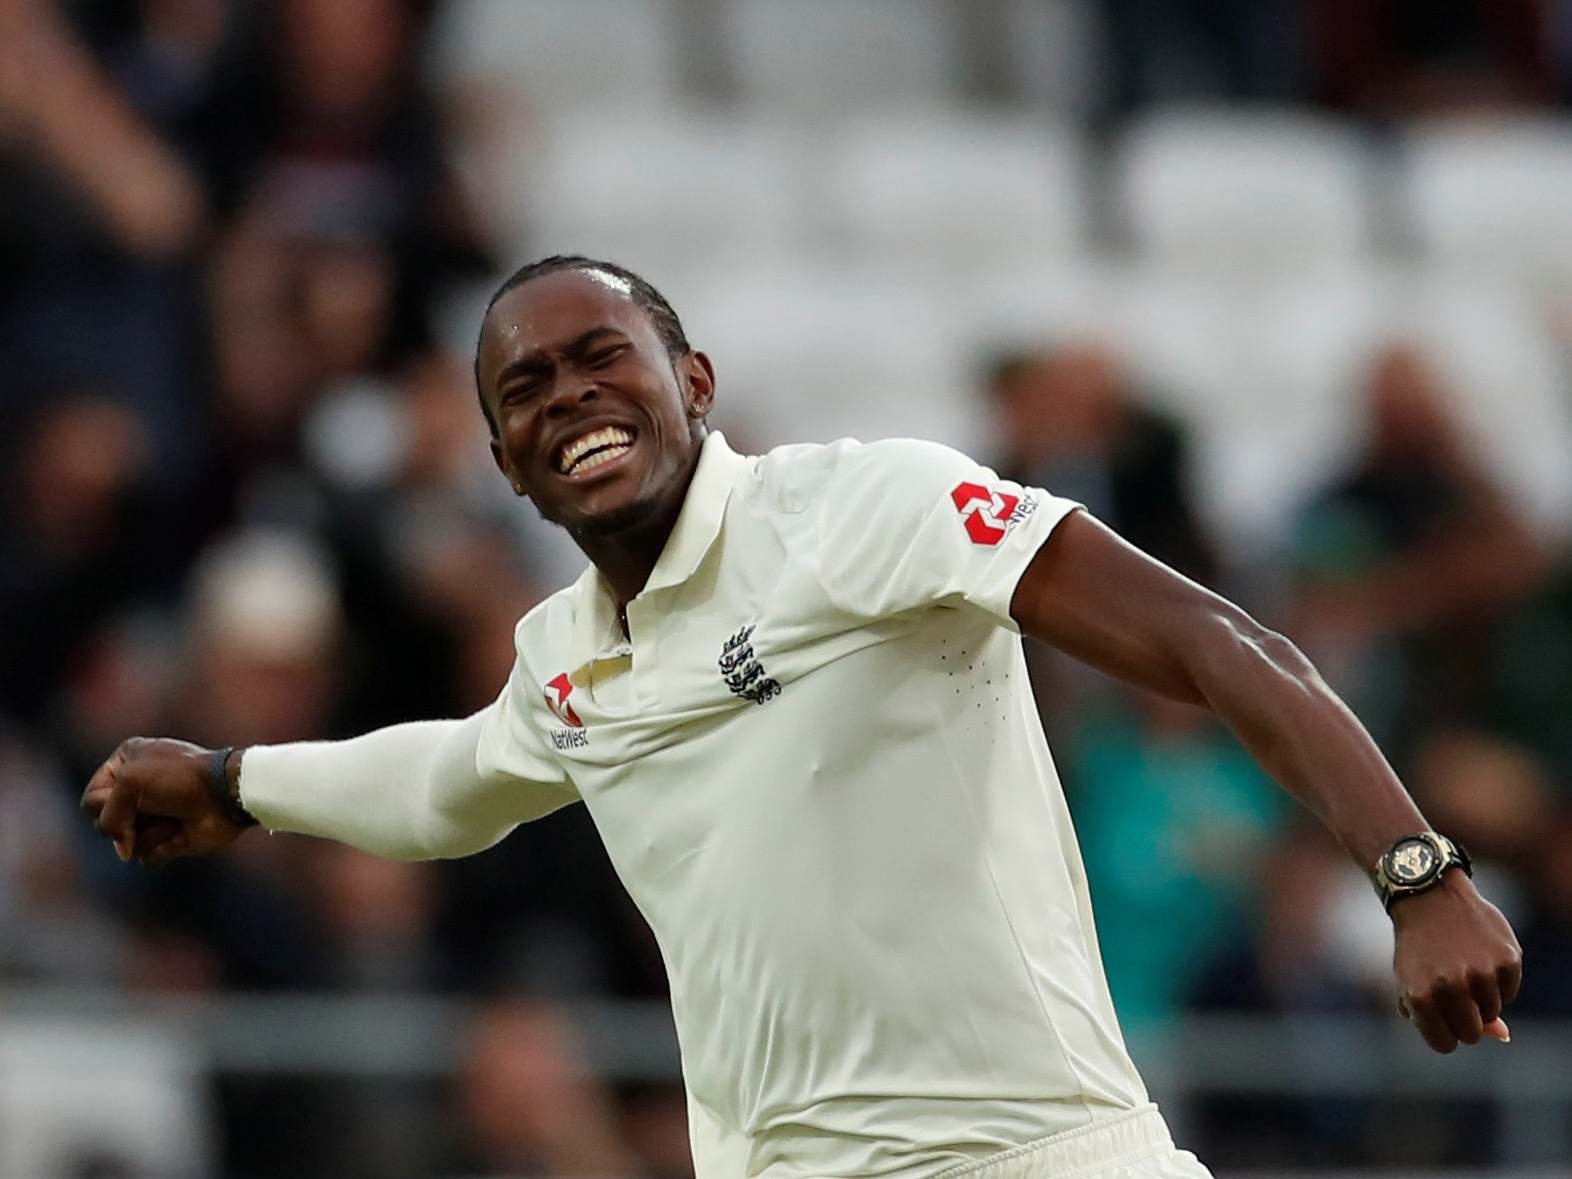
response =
{"points": [[965, 191], [828, 54], [1226, 188], [561, 53], [1496, 195], [663, 189]]}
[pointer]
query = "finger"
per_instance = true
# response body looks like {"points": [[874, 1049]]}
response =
{"points": [[118, 818], [1432, 1026], [1509, 977], [1461, 1013], [98, 787], [1497, 1029], [1487, 995], [173, 848], [152, 834]]}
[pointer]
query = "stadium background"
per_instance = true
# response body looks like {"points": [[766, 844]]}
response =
{"points": [[1281, 288]]}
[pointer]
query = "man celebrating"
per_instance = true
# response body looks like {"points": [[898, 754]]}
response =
{"points": [[791, 691]]}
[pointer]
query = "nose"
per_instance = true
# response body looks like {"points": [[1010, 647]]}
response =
{"points": [[568, 394]]}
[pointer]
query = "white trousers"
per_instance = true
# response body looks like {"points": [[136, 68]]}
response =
{"points": [[1133, 1145]]}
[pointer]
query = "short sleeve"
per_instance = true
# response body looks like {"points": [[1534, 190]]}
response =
{"points": [[905, 524]]}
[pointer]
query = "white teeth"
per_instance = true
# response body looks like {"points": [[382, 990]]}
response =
{"points": [[607, 436], [600, 457]]}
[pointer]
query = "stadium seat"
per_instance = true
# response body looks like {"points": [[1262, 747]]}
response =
{"points": [[1052, 50], [80, 1098], [965, 191], [827, 54], [660, 189], [814, 352], [556, 53], [1491, 195], [1224, 188]]}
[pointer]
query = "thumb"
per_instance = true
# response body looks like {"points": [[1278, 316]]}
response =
{"points": [[1498, 1029]]}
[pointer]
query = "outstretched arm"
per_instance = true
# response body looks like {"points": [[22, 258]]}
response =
{"points": [[1098, 598], [425, 790]]}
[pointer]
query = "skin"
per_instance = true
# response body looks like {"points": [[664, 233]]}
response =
{"points": [[571, 352]]}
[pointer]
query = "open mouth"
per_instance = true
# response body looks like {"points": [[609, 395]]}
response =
{"points": [[593, 450]]}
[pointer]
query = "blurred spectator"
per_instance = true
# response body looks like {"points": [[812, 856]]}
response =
{"points": [[531, 1105], [1173, 819], [1396, 58], [1492, 795], [76, 541], [1069, 420], [1547, 936], [655, 1122], [59, 108], [326, 135], [1409, 561], [50, 929], [1203, 51], [98, 218], [265, 623]]}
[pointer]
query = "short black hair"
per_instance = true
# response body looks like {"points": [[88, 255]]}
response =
{"points": [[667, 325]]}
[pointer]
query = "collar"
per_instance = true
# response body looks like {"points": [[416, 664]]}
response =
{"points": [[596, 629]]}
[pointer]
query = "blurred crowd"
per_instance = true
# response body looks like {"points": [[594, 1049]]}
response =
{"points": [[247, 498]]}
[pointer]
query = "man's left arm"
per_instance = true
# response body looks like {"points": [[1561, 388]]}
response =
{"points": [[1094, 596]]}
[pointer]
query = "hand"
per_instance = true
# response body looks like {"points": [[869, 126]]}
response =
{"points": [[1458, 963], [152, 799]]}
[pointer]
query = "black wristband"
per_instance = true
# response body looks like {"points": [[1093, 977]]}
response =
{"points": [[217, 775]]}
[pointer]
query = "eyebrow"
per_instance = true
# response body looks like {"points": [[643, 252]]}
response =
{"points": [[574, 349]]}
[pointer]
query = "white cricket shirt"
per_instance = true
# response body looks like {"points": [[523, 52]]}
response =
{"points": [[818, 768]]}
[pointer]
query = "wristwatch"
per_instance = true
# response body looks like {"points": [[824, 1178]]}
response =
{"points": [[1416, 863]]}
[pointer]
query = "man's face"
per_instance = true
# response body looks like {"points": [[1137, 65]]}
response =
{"points": [[595, 421]]}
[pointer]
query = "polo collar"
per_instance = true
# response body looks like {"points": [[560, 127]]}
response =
{"points": [[596, 628]]}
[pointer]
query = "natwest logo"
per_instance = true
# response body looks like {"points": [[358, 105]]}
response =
{"points": [[986, 515], [557, 692]]}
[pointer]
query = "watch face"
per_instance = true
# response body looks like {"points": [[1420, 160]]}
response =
{"points": [[1411, 861]]}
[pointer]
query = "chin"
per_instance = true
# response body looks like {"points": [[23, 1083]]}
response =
{"points": [[607, 521]]}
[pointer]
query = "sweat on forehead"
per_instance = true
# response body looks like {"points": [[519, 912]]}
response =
{"points": [[608, 276], [621, 285]]}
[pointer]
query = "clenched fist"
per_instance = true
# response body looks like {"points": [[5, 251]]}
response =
{"points": [[1458, 964], [153, 798]]}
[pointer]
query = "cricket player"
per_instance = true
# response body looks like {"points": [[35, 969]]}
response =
{"points": [[791, 691]]}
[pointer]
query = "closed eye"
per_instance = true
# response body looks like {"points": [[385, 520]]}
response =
{"points": [[605, 356], [519, 390]]}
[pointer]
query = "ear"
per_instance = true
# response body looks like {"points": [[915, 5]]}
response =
{"points": [[500, 457], [700, 380]]}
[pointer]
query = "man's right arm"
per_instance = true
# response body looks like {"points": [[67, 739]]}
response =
{"points": [[424, 790]]}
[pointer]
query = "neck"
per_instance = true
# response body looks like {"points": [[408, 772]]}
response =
{"points": [[626, 557]]}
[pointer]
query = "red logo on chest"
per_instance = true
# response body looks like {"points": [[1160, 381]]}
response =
{"points": [[557, 692], [986, 515]]}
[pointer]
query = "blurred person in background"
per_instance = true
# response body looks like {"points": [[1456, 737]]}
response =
{"points": [[1203, 51], [51, 929], [530, 1102], [1409, 563], [597, 404], [1070, 417], [99, 218], [1508, 803], [1175, 823], [1396, 58], [1171, 814], [78, 540]]}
